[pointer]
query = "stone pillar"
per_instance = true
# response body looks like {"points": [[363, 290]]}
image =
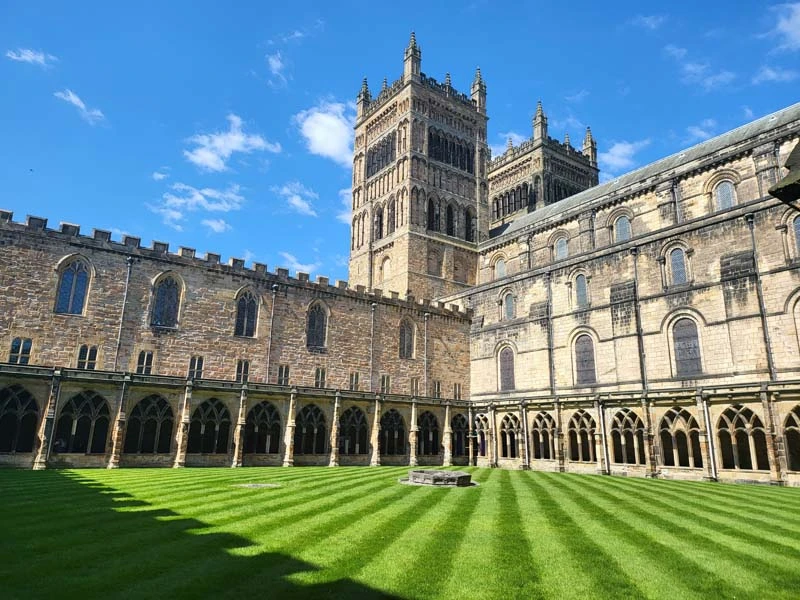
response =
{"points": [[706, 439], [773, 452], [600, 440], [288, 436], [375, 435], [118, 432], [559, 438], [334, 441], [182, 430], [47, 426], [471, 437], [447, 440], [651, 441], [238, 432], [492, 436], [526, 450], [412, 436]]}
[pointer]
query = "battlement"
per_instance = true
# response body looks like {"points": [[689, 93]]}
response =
{"points": [[132, 246], [515, 152]]}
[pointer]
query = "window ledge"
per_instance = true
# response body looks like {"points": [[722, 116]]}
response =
{"points": [[164, 327], [317, 349]]}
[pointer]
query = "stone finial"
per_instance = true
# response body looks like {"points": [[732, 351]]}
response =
{"points": [[412, 43], [365, 87], [384, 85], [588, 136], [447, 81], [509, 144], [566, 139], [539, 109], [478, 77]]}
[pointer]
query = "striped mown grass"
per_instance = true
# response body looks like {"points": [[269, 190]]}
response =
{"points": [[356, 532]]}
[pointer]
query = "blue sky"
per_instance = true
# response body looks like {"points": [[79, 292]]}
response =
{"points": [[227, 127]]}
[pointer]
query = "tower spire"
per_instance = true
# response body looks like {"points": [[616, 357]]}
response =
{"points": [[539, 123], [447, 80], [478, 91], [412, 59], [590, 147], [363, 99]]}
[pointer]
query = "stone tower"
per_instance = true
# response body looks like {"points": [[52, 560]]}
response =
{"points": [[420, 194]]}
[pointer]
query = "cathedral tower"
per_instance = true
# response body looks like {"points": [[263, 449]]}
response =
{"points": [[420, 197]]}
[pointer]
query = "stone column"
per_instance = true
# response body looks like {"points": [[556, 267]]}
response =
{"points": [[118, 432], [650, 439], [238, 432], [447, 442], [182, 430], [706, 439], [492, 436], [334, 441], [471, 437], [47, 426], [559, 438], [526, 450], [288, 436], [773, 453], [375, 435], [600, 441], [412, 436]]}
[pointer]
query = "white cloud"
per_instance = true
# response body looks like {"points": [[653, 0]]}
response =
{"points": [[345, 215], [698, 73], [500, 148], [186, 197], [787, 28], [298, 197], [701, 131], [577, 96], [169, 216], [328, 131], [33, 57], [216, 225], [748, 112], [651, 22], [675, 52], [214, 149], [297, 35], [774, 75], [621, 155], [276, 66], [90, 115], [296, 265], [160, 175]]}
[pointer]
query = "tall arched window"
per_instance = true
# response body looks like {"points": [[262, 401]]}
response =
{"points": [[378, 223], [428, 434], [392, 438], [581, 437], [246, 312], [166, 301], [460, 428], [353, 431], [581, 291], [310, 433], [724, 194], [506, 367], [450, 218], [677, 263], [433, 217], [796, 226], [262, 430], [209, 430], [544, 437], [499, 268], [391, 216], [561, 249], [680, 439], [83, 425], [791, 431], [406, 339], [149, 427], [584, 361], [469, 225], [742, 440], [482, 431], [386, 269], [508, 306], [317, 326], [18, 418], [72, 286], [509, 436], [687, 348], [622, 229], [627, 438]]}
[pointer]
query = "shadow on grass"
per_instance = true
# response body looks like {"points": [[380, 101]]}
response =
{"points": [[89, 540]]}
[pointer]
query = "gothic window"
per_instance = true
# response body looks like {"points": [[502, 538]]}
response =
{"points": [[561, 249], [149, 428], [509, 434], [680, 439], [687, 348], [72, 286], [450, 218], [433, 216], [316, 328], [144, 364], [390, 217], [469, 225], [406, 339], [544, 437], [581, 291], [584, 361], [482, 432], [83, 425], [791, 431], [87, 357], [456, 391], [581, 437], [428, 436], [378, 230], [622, 229], [460, 428], [677, 262], [242, 370], [742, 440], [18, 418], [310, 433], [506, 360], [499, 268], [724, 194], [508, 306], [353, 432], [386, 269], [435, 260], [796, 227], [246, 312], [209, 430], [627, 438], [436, 389], [20, 353], [262, 430], [392, 440], [283, 374], [166, 301], [195, 367]]}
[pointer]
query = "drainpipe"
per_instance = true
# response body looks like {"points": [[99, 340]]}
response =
{"points": [[425, 358], [601, 409], [129, 262], [550, 350], [712, 450], [271, 329], [749, 217], [638, 314], [372, 350]]}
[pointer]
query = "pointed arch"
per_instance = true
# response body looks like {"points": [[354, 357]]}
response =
{"points": [[74, 275], [353, 432], [679, 435], [742, 440], [482, 432], [544, 437], [392, 439], [209, 429], [317, 326], [460, 434], [310, 434], [509, 436], [246, 313], [83, 424], [19, 416], [581, 432], [407, 338], [428, 434], [791, 433], [262, 430], [627, 438], [150, 426], [167, 292]]}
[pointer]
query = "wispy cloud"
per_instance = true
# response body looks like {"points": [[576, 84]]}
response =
{"points": [[577, 96], [182, 198], [296, 265], [787, 26], [698, 72], [34, 57], [216, 225], [328, 131], [212, 150], [501, 146], [169, 216], [702, 131], [161, 174], [621, 155], [277, 68], [298, 197], [774, 75], [299, 34], [675, 52], [651, 22], [90, 115], [748, 112], [345, 215]]}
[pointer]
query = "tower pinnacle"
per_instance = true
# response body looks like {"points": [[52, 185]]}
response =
{"points": [[539, 123], [412, 59]]}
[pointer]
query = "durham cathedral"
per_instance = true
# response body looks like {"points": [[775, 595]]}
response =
{"points": [[501, 311]]}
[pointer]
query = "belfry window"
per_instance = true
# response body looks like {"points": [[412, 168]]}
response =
{"points": [[72, 286]]}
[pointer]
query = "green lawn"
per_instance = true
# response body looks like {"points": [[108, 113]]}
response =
{"points": [[356, 532]]}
